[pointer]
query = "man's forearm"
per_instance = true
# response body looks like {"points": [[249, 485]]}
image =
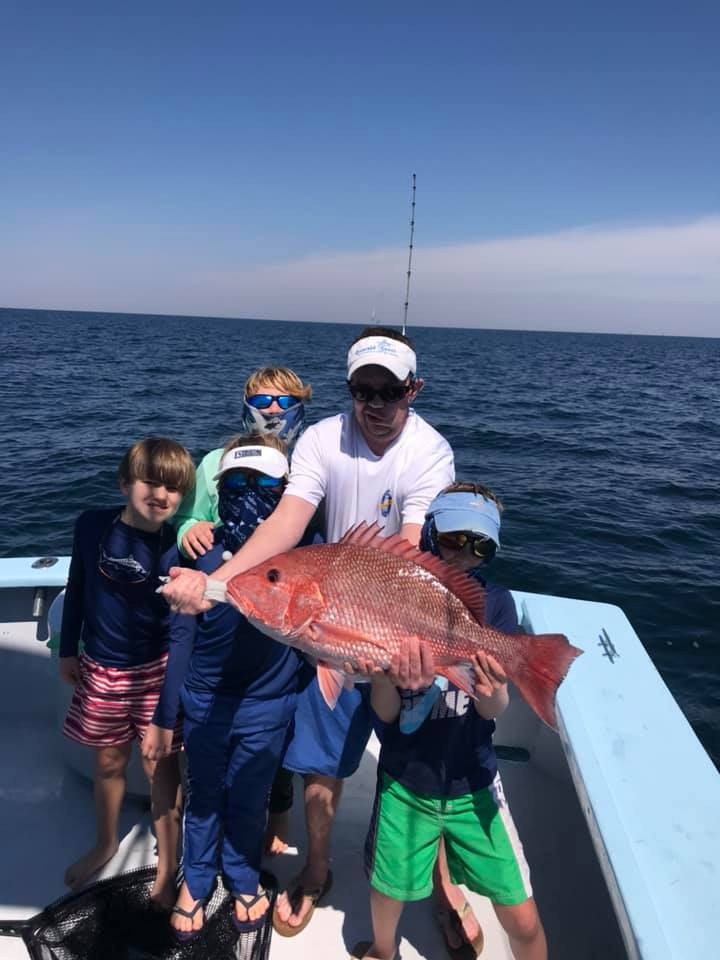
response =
{"points": [[282, 531]]}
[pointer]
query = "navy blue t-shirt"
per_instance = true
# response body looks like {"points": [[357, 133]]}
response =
{"points": [[110, 601], [451, 754], [220, 652]]}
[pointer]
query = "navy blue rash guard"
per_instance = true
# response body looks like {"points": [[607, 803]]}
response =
{"points": [[220, 652], [121, 624], [451, 754]]}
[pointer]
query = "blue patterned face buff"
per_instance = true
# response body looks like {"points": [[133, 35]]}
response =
{"points": [[286, 425], [241, 511]]}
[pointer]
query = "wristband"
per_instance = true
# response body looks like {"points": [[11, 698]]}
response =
{"points": [[215, 590]]}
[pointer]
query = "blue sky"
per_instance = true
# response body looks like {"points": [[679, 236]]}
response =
{"points": [[214, 159]]}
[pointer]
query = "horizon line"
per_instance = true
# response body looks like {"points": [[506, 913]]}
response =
{"points": [[348, 323]]}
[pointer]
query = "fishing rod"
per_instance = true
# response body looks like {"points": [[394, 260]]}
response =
{"points": [[410, 250]]}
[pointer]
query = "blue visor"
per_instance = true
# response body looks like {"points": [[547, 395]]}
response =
{"points": [[469, 512]]}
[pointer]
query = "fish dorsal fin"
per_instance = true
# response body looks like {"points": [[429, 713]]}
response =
{"points": [[465, 588], [361, 533]]}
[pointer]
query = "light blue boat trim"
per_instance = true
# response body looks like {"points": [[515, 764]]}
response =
{"points": [[648, 789], [19, 572], [658, 840]]}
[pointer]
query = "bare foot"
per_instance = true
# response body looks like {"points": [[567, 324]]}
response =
{"points": [[258, 909], [309, 880], [276, 833], [185, 902], [80, 872], [164, 892]]}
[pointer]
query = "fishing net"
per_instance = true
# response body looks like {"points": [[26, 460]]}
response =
{"points": [[113, 920]]}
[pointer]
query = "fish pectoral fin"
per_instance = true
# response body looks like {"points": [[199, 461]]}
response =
{"points": [[331, 682], [462, 675], [343, 637], [304, 629]]}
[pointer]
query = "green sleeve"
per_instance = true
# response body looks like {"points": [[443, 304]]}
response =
{"points": [[201, 502]]}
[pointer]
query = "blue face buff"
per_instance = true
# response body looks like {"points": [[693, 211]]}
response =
{"points": [[286, 425], [241, 511]]}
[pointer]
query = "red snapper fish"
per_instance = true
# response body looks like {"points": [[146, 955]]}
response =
{"points": [[363, 597]]}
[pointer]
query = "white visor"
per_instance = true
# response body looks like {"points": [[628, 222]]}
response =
{"points": [[265, 460], [395, 356]]}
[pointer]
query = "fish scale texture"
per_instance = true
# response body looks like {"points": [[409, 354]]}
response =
{"points": [[379, 596]]}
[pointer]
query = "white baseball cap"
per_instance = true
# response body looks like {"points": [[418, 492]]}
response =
{"points": [[394, 355], [265, 460]]}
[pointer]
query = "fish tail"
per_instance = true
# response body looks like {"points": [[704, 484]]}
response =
{"points": [[545, 662]]}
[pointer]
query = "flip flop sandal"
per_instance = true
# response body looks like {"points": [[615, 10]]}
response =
{"points": [[468, 949], [247, 926], [182, 936], [296, 893], [359, 951]]}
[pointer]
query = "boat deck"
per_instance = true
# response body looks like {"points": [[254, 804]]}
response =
{"points": [[47, 817]]}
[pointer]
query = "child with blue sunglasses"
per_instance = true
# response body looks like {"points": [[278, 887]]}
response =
{"points": [[274, 401]]}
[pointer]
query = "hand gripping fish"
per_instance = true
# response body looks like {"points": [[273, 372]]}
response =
{"points": [[363, 597]]}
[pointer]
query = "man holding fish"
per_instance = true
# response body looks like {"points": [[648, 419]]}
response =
{"points": [[381, 464]]}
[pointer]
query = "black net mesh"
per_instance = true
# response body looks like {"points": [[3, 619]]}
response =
{"points": [[114, 920]]}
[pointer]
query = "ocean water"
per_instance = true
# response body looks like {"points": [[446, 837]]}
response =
{"points": [[605, 449]]}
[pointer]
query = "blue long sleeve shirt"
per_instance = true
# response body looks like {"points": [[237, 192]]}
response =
{"points": [[119, 617], [220, 652]]}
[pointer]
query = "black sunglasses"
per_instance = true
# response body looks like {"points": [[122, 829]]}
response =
{"points": [[484, 548], [389, 394]]}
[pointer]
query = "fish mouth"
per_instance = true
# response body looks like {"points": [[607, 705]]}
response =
{"points": [[241, 602]]}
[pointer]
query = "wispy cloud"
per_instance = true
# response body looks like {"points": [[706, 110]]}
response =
{"points": [[627, 278]]}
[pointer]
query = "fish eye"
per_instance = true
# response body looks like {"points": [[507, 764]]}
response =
{"points": [[273, 575]]}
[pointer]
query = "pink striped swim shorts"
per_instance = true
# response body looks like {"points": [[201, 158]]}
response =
{"points": [[113, 705]]}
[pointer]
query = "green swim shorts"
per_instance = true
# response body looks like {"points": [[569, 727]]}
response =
{"points": [[483, 848]]}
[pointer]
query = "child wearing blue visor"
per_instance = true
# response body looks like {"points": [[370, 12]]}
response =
{"points": [[237, 688], [274, 401], [462, 526], [440, 813]]}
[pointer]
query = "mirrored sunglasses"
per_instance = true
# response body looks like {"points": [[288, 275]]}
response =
{"points": [[261, 401], [389, 394], [241, 481], [484, 548]]}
